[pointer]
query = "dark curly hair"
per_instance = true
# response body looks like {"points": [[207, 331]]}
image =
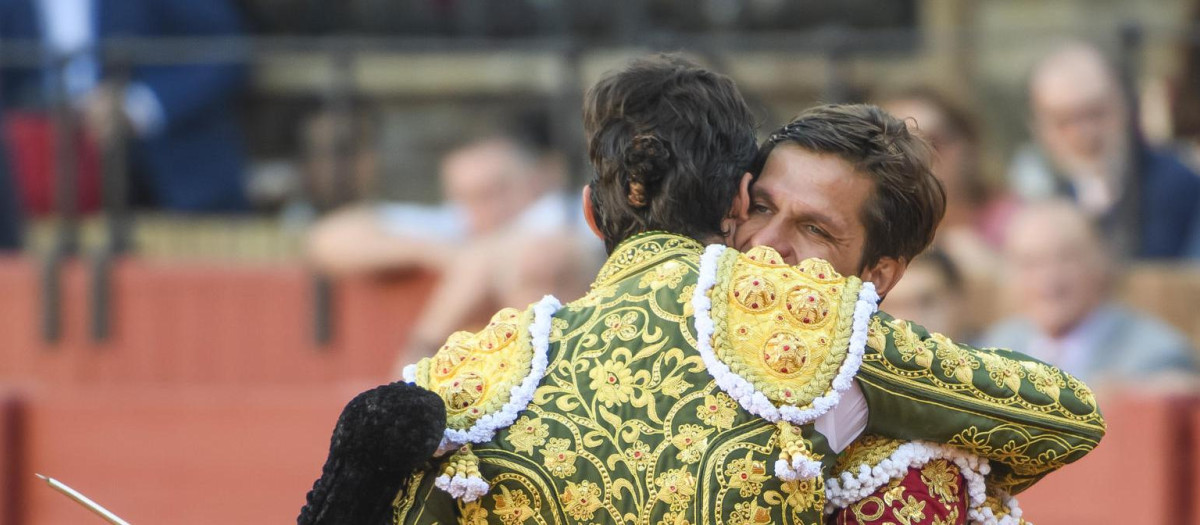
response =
{"points": [[908, 202], [669, 142]]}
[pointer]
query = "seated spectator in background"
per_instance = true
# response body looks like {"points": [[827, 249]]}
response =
{"points": [[501, 191], [1090, 152], [1062, 273], [932, 294], [186, 152], [973, 230]]}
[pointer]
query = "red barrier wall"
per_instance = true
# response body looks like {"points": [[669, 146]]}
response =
{"points": [[1134, 476], [179, 455], [190, 324]]}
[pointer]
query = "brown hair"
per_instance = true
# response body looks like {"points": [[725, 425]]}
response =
{"points": [[669, 142], [907, 203]]}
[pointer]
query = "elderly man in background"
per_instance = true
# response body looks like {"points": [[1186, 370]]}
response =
{"points": [[1089, 151], [1061, 272], [502, 190]]}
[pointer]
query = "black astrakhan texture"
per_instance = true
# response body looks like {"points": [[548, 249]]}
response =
{"points": [[382, 437]]}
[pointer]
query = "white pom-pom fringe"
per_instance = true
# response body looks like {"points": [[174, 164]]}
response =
{"points": [[799, 469], [462, 487]]}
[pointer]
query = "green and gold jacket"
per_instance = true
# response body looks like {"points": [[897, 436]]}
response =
{"points": [[684, 386]]}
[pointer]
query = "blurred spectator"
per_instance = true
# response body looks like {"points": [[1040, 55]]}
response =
{"points": [[1088, 150], [10, 217], [1061, 274], [932, 294], [973, 228], [507, 235], [186, 153]]}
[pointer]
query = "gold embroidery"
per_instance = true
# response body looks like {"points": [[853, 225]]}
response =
{"points": [[808, 305], [528, 433], [941, 478], [958, 367], [876, 335], [581, 500], [613, 383], [867, 450], [676, 488], [473, 513], [749, 513], [747, 475], [638, 455], [1012, 445], [956, 362], [642, 251], [805, 494], [785, 329], [623, 326], [512, 506], [718, 410], [909, 344], [559, 458], [1045, 379], [910, 511], [475, 374], [692, 441], [668, 274]]}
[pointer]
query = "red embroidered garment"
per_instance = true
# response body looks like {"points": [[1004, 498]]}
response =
{"points": [[932, 494]]}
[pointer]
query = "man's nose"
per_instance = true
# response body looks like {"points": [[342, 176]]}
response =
{"points": [[774, 237]]}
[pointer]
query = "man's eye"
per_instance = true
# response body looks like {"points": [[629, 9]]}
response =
{"points": [[816, 231], [759, 208]]}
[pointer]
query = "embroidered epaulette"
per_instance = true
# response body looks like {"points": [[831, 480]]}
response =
{"points": [[784, 341], [485, 379], [872, 463]]}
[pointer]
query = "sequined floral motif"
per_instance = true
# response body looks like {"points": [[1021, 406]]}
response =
{"points": [[512, 506], [581, 500], [808, 305], [528, 433], [451, 355], [785, 353], [957, 363], [1045, 379], [473, 513], [749, 513], [941, 478], [623, 326], [1003, 371], [612, 381], [638, 455], [676, 488], [668, 274], [692, 441], [747, 475], [754, 292], [463, 391], [718, 410], [804, 494], [560, 457]]}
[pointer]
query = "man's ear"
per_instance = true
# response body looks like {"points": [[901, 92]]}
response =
{"points": [[740, 209], [885, 274], [589, 214]]}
